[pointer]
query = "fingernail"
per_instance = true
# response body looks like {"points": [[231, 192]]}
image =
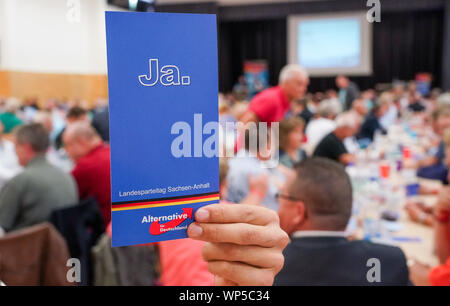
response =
{"points": [[202, 215], [195, 230]]}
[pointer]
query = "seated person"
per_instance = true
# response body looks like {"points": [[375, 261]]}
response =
{"points": [[9, 165], [332, 145], [75, 114], [351, 143], [392, 112], [371, 123], [315, 207], [369, 97], [359, 107], [433, 167], [322, 125], [419, 212], [291, 141], [92, 164], [432, 130], [254, 160], [301, 110], [415, 103], [9, 118], [100, 119], [422, 274], [437, 216], [57, 158], [30, 197]]}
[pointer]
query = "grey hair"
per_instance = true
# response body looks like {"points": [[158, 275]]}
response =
{"points": [[347, 119], [12, 105], [444, 99], [33, 134], [81, 129], [43, 118], [289, 71], [328, 107]]}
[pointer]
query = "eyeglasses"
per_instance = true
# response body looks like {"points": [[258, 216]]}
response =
{"points": [[287, 197]]}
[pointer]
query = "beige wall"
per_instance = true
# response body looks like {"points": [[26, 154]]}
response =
{"points": [[46, 54], [53, 85], [4, 84]]}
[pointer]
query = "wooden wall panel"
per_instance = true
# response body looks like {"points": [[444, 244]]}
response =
{"points": [[48, 85]]}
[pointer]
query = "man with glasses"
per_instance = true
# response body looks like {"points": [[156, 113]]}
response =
{"points": [[315, 207]]}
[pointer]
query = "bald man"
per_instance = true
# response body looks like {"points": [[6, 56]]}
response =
{"points": [[92, 164], [272, 104]]}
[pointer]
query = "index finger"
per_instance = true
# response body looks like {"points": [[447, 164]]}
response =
{"points": [[236, 213]]}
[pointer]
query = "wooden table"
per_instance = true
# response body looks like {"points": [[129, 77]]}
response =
{"points": [[418, 239], [422, 250]]}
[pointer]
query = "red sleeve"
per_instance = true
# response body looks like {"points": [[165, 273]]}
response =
{"points": [[440, 275], [81, 180], [182, 263], [263, 107]]}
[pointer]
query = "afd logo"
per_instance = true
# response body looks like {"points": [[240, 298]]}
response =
{"points": [[168, 75]]}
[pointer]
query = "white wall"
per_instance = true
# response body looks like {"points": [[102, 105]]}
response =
{"points": [[42, 36], [2, 33]]}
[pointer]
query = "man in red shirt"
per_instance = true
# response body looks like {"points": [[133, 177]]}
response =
{"points": [[92, 164], [272, 104]]}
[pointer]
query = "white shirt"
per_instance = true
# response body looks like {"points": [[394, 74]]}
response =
{"points": [[243, 165], [9, 165], [59, 159], [317, 129], [351, 144], [389, 118]]}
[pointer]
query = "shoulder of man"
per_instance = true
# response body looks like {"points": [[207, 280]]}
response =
{"points": [[87, 165], [15, 186], [328, 139], [20, 178], [387, 253], [266, 93]]}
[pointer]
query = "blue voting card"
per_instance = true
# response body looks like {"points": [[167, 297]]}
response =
{"points": [[163, 95]]}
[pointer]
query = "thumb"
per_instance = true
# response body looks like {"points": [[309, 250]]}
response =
{"points": [[220, 281]]}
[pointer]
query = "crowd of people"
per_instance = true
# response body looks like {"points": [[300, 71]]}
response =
{"points": [[42, 170], [55, 169], [55, 155], [321, 135]]}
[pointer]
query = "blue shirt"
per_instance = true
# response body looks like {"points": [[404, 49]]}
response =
{"points": [[440, 154], [241, 167]]}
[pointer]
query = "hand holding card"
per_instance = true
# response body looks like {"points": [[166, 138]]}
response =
{"points": [[245, 243], [163, 91]]}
